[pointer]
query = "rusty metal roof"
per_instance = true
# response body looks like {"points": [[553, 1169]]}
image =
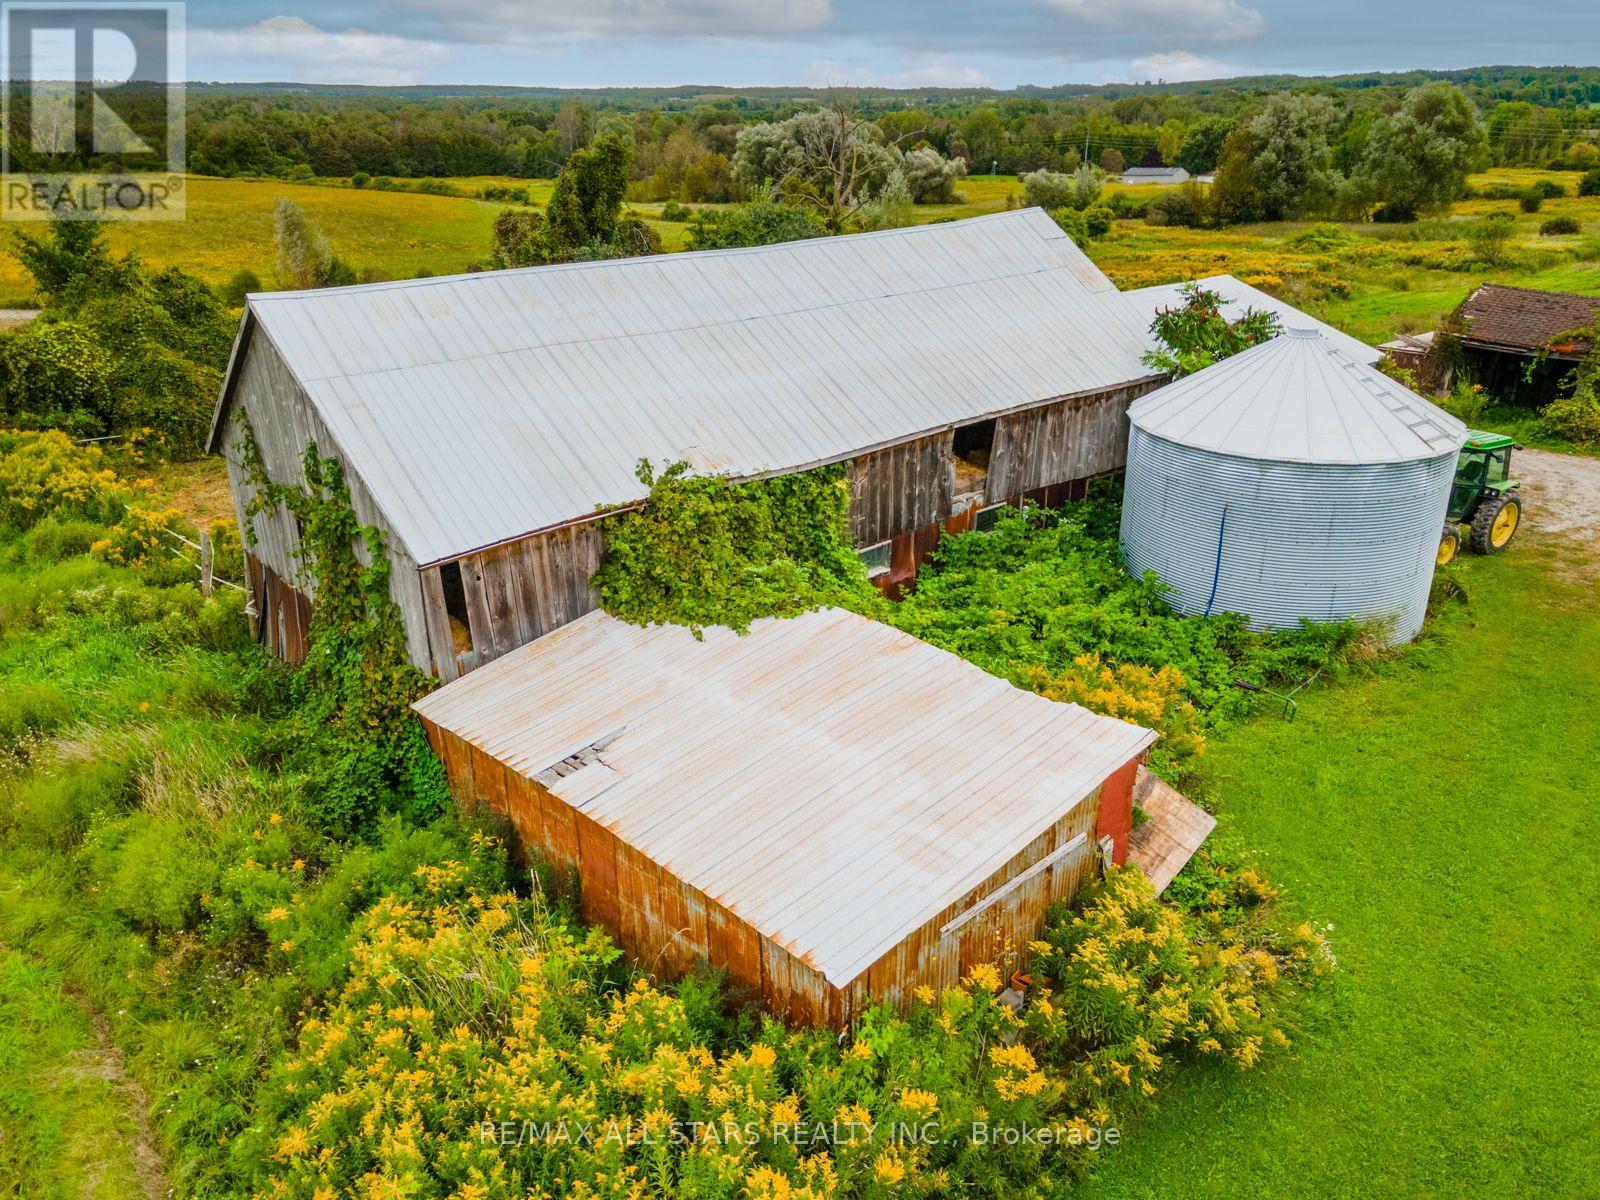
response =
{"points": [[1237, 295], [1527, 320], [833, 782], [483, 407]]}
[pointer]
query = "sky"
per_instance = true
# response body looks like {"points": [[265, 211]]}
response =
{"points": [[856, 43]]}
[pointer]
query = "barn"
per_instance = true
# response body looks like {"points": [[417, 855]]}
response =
{"points": [[486, 422], [832, 810], [1521, 344]]}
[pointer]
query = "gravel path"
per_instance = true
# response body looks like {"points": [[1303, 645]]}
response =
{"points": [[1563, 493]]}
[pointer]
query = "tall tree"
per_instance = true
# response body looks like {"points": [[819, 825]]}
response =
{"points": [[1292, 170], [1420, 157]]}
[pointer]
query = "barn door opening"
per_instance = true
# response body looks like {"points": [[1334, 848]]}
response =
{"points": [[455, 607], [971, 447]]}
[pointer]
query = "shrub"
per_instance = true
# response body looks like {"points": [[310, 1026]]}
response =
{"points": [[1048, 190], [1589, 185], [1195, 335], [1466, 401], [1549, 189], [1072, 224], [1489, 237], [240, 284], [1051, 190], [1097, 219], [139, 537], [1155, 697], [45, 475], [462, 1010], [360, 179], [55, 373], [1131, 977], [1577, 416], [52, 540], [1181, 207], [1560, 226], [1531, 200], [763, 222]]}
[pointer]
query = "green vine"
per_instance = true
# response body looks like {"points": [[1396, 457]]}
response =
{"points": [[704, 551], [363, 747], [1577, 416]]}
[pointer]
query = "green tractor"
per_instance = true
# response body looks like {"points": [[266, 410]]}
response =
{"points": [[1484, 497]]}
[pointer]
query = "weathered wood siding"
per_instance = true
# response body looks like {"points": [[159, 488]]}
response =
{"points": [[667, 925], [283, 614], [901, 488], [515, 593], [285, 423], [1056, 443]]}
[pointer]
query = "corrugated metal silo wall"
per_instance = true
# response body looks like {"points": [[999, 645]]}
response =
{"points": [[1319, 542]]}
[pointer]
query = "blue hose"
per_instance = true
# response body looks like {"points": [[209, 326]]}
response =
{"points": [[1216, 575]]}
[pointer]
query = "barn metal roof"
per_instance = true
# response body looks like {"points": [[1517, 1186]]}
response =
{"points": [[1237, 296], [833, 782], [1298, 398], [479, 408]]}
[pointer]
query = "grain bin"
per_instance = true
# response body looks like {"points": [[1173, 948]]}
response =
{"points": [[1290, 483]]}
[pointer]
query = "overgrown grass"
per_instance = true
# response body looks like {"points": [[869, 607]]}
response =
{"points": [[1440, 815]]}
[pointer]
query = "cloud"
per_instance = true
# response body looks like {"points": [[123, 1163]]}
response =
{"points": [[280, 47], [497, 22], [926, 70], [1220, 21], [1178, 66]]}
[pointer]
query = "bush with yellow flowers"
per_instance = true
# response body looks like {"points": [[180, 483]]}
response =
{"points": [[1155, 697], [484, 1048], [140, 536], [45, 474], [1134, 979]]}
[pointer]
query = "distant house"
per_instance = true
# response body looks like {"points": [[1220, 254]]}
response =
{"points": [[1155, 175], [1514, 340], [486, 421], [1237, 296]]}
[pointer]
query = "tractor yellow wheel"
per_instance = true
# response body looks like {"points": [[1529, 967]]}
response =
{"points": [[1495, 524], [1449, 545]]}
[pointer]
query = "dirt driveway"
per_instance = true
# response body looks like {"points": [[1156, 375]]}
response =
{"points": [[1563, 502]]}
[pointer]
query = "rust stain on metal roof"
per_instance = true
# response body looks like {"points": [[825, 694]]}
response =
{"points": [[832, 782]]}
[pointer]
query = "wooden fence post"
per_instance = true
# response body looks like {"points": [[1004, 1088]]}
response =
{"points": [[206, 556]]}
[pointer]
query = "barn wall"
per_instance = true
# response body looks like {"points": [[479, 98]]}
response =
{"points": [[285, 423], [1057, 443], [515, 593], [937, 956], [667, 925], [901, 488]]}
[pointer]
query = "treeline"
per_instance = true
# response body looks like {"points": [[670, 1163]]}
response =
{"points": [[1533, 116]]}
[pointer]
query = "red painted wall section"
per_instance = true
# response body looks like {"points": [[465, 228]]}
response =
{"points": [[1116, 810]]}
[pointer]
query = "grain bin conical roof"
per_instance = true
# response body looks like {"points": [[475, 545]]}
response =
{"points": [[1298, 398]]}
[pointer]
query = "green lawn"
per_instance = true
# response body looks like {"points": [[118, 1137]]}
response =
{"points": [[1441, 816]]}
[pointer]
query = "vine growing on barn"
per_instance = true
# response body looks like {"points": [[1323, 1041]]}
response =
{"points": [[702, 550], [363, 747]]}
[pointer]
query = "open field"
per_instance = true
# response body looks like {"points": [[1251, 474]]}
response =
{"points": [[1386, 280], [1438, 815]]}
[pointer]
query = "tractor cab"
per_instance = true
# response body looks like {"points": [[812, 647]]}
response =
{"points": [[1484, 497]]}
